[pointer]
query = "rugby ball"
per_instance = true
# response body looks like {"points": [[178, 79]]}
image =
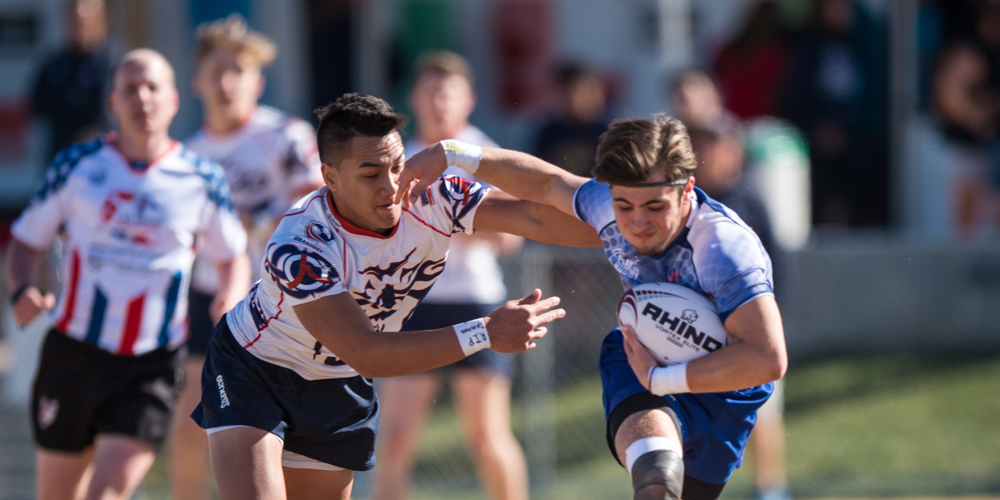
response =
{"points": [[676, 323]]}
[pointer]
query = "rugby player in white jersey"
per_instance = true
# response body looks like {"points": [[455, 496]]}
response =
{"points": [[130, 206], [270, 160], [470, 287], [287, 397], [679, 430]]}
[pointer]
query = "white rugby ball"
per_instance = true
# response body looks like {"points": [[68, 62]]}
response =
{"points": [[676, 323]]}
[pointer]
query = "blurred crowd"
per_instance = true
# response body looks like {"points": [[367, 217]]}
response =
{"points": [[819, 85]]}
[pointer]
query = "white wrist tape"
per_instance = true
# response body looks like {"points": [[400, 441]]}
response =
{"points": [[462, 155], [472, 336], [671, 379], [646, 445]]}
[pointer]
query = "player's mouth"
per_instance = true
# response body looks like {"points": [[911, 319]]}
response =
{"points": [[385, 208]]}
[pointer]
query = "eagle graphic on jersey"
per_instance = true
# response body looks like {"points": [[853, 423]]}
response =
{"points": [[388, 286]]}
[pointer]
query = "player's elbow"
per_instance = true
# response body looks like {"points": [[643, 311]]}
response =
{"points": [[776, 365]]}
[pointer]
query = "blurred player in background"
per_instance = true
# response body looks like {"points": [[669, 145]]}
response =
{"points": [[70, 86], [132, 205], [470, 286], [270, 160], [720, 157], [287, 396], [683, 426], [571, 136]]}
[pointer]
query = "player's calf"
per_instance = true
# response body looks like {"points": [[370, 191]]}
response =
{"points": [[656, 467]]}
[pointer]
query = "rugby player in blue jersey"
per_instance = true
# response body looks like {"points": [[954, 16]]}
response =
{"points": [[679, 430]]}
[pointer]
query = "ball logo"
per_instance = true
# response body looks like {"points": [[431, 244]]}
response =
{"points": [[299, 272], [689, 315], [319, 232]]}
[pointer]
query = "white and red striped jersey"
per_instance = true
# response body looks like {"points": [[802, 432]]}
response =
{"points": [[270, 161], [129, 232], [314, 252]]}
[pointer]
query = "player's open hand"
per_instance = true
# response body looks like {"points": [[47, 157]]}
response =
{"points": [[30, 304], [639, 358], [419, 172], [514, 326]]}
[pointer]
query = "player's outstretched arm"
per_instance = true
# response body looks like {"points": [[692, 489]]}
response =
{"points": [[757, 355], [338, 323], [21, 269], [516, 173], [502, 213]]}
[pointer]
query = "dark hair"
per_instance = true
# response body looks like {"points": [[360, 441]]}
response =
{"points": [[633, 150], [570, 73], [350, 116]]}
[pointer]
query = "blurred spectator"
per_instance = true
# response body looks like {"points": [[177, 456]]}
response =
{"points": [[957, 154], [569, 140], [823, 97], [469, 287], [720, 156], [988, 35], [698, 104], [69, 88], [750, 68]]}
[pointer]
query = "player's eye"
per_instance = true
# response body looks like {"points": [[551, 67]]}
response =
{"points": [[654, 208], [625, 208]]}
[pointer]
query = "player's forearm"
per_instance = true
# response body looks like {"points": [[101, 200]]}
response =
{"points": [[523, 175], [234, 281], [736, 366], [391, 354], [21, 265]]}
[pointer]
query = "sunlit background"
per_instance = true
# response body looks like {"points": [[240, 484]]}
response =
{"points": [[871, 135]]}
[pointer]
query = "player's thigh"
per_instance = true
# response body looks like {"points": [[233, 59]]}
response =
{"points": [[61, 475], [404, 403], [246, 462], [120, 463], [306, 484], [482, 399]]}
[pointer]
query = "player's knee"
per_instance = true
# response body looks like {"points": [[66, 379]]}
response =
{"points": [[659, 475]]}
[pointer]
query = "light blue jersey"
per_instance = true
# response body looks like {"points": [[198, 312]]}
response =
{"points": [[718, 255], [715, 254]]}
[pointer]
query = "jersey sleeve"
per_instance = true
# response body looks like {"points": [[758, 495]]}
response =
{"points": [[302, 164], [222, 233], [449, 205], [303, 271], [732, 265], [592, 204], [48, 208]]}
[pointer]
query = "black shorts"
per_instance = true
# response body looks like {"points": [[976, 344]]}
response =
{"points": [[331, 420], [200, 324], [434, 316], [81, 391]]}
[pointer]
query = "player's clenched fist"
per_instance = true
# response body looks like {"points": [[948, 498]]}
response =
{"points": [[514, 326], [30, 303]]}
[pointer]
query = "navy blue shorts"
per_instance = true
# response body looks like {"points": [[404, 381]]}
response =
{"points": [[332, 420], [200, 324], [434, 316], [715, 427]]}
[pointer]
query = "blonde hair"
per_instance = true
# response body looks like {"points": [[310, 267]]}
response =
{"points": [[233, 34], [445, 63], [634, 149]]}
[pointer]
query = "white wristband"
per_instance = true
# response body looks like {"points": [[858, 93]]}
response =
{"points": [[472, 336], [462, 155], [671, 379]]}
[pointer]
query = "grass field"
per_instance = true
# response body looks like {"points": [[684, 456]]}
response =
{"points": [[873, 427]]}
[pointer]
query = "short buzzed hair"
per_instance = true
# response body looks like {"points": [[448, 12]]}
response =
{"points": [[139, 54], [233, 34], [353, 115], [633, 150], [445, 63]]}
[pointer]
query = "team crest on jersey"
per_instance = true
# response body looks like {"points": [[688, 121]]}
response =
{"points": [[48, 409], [389, 285], [97, 176], [135, 218], [319, 232], [300, 272]]}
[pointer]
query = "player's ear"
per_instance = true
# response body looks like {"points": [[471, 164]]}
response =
{"points": [[330, 177], [261, 84]]}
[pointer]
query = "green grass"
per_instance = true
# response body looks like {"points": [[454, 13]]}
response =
{"points": [[880, 426]]}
